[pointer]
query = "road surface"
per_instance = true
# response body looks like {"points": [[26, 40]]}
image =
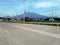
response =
{"points": [[28, 34]]}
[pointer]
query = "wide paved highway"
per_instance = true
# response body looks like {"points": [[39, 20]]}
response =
{"points": [[28, 34]]}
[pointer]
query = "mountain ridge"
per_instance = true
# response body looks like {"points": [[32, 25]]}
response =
{"points": [[31, 15]]}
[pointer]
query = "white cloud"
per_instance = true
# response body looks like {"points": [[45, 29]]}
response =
{"points": [[44, 4]]}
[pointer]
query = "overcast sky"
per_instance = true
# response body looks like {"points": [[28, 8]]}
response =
{"points": [[43, 7]]}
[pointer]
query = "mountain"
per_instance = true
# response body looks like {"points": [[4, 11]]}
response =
{"points": [[7, 17], [30, 15]]}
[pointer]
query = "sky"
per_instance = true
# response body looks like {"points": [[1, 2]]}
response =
{"points": [[42, 7]]}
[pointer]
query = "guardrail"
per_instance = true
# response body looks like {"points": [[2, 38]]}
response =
{"points": [[44, 23]]}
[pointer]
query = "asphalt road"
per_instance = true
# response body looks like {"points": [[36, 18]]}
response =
{"points": [[28, 34]]}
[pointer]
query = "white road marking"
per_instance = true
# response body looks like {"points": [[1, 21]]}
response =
{"points": [[34, 30], [6, 31], [40, 32]]}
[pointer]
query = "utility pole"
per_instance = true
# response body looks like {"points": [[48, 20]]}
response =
{"points": [[24, 16], [52, 15], [13, 16], [16, 16]]}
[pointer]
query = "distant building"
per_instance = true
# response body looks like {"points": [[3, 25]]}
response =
{"points": [[32, 19], [51, 19]]}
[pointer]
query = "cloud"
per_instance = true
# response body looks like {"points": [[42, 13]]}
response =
{"points": [[13, 6], [44, 4]]}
